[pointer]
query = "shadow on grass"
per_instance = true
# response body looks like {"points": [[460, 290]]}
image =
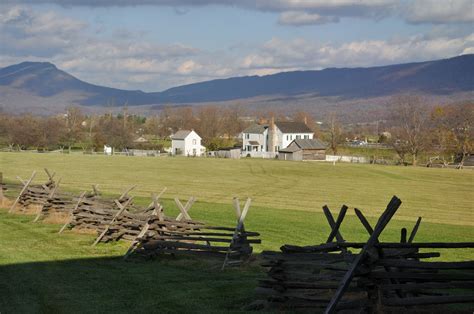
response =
{"points": [[97, 285]]}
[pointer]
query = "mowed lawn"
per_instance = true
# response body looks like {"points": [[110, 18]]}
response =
{"points": [[438, 195], [42, 271]]}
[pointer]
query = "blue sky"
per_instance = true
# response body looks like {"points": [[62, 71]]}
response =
{"points": [[156, 44]]}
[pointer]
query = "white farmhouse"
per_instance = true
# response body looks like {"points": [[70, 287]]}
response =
{"points": [[270, 138], [187, 143]]}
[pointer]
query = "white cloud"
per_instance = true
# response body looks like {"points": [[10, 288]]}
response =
{"points": [[412, 11], [25, 32], [278, 54], [435, 11], [131, 62], [299, 18]]}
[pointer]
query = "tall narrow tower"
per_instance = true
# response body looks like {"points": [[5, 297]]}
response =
{"points": [[272, 135]]}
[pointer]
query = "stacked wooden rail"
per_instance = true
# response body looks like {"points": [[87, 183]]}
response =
{"points": [[329, 277], [186, 236], [93, 212], [150, 231], [35, 194]]}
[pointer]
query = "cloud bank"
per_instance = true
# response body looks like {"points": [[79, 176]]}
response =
{"points": [[125, 60], [310, 12]]}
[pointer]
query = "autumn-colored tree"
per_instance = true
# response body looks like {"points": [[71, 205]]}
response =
{"points": [[50, 131], [23, 132]]}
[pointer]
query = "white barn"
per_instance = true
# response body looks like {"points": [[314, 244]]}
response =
{"points": [[187, 143]]}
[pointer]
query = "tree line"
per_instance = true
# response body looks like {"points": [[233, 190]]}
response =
{"points": [[412, 128]]}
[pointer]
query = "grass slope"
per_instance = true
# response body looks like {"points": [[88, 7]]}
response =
{"points": [[438, 195], [42, 272]]}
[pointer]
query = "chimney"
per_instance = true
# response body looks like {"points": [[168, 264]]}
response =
{"points": [[305, 120], [272, 135]]}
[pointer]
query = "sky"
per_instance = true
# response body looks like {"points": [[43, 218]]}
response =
{"points": [[153, 45]]}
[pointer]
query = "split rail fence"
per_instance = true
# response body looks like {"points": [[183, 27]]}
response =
{"points": [[150, 231], [329, 277]]}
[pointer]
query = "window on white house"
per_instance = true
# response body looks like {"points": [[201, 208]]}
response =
{"points": [[194, 142], [298, 137], [247, 135], [306, 136]]}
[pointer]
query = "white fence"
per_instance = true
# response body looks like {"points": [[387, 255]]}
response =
{"points": [[353, 159]]}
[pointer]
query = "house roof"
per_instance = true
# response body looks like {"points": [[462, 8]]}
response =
{"points": [[181, 135], [256, 129], [310, 144], [290, 149], [293, 127]]}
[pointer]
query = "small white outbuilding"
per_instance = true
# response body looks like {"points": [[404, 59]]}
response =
{"points": [[187, 143]]}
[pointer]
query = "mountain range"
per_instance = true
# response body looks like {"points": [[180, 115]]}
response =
{"points": [[41, 86]]}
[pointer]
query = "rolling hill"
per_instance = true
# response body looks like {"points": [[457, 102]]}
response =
{"points": [[42, 86]]}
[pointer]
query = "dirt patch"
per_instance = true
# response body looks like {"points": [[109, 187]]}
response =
{"points": [[6, 203], [32, 209], [85, 231], [56, 218]]}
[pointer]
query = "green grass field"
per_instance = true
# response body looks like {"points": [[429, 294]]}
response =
{"points": [[438, 195], [42, 272]]}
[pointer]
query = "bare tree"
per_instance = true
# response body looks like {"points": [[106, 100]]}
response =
{"points": [[232, 123], [334, 133], [411, 120], [209, 124]]}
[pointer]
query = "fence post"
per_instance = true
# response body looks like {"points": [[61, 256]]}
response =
{"points": [[1, 188]]}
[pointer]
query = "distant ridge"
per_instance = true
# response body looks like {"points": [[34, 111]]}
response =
{"points": [[31, 80]]}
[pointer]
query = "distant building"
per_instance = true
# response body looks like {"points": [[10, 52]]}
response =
{"points": [[186, 143], [108, 150], [141, 139], [229, 152], [304, 149], [273, 137]]}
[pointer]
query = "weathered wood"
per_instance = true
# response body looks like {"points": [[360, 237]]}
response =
{"points": [[122, 209], [1, 188], [23, 190], [156, 210], [332, 224], [414, 231], [410, 301], [238, 228], [423, 276], [364, 221], [50, 176], [71, 217], [429, 285], [400, 263], [184, 209], [339, 220], [381, 224], [125, 193], [403, 235], [50, 196]]}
